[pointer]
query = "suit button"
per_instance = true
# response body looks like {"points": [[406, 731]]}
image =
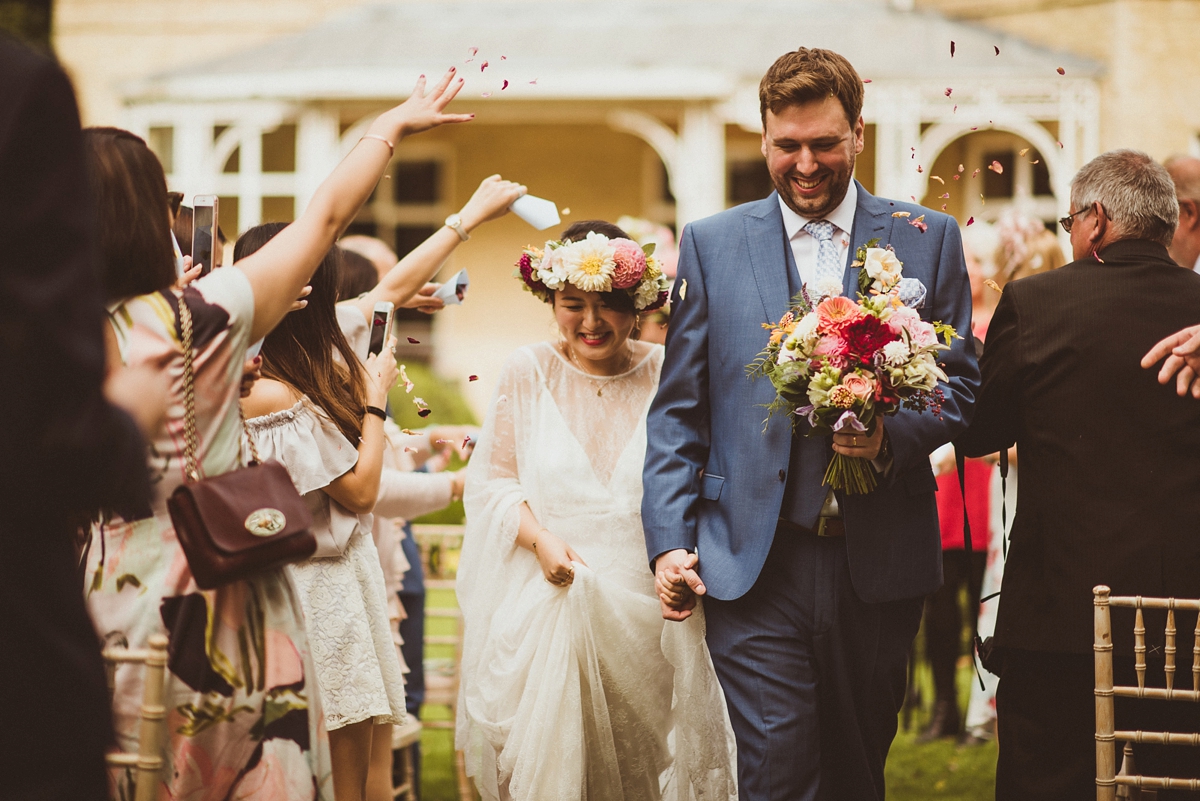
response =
{"points": [[782, 475]]}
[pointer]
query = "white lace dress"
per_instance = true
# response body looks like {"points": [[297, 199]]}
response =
{"points": [[582, 692], [342, 587]]}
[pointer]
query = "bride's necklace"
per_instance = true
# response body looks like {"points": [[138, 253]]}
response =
{"points": [[603, 379]]}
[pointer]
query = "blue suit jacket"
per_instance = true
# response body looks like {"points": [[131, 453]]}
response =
{"points": [[714, 479]]}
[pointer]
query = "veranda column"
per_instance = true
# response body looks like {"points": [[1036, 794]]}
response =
{"points": [[316, 151], [897, 131], [250, 177], [193, 142], [699, 169]]}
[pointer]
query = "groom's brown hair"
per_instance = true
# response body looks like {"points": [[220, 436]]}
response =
{"points": [[804, 75]]}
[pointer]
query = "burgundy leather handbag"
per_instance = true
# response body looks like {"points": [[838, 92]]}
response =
{"points": [[240, 524]]}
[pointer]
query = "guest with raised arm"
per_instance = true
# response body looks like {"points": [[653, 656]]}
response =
{"points": [[242, 714]]}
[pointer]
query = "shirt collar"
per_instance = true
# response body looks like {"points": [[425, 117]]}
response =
{"points": [[842, 216]]}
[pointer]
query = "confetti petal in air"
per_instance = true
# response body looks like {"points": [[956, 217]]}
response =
{"points": [[974, 127], [1036, 161], [956, 176], [955, 109], [466, 442], [424, 412], [937, 178], [408, 385], [1023, 151], [948, 91], [920, 168], [472, 378], [533, 82], [961, 168], [1060, 144], [1061, 71], [901, 214], [412, 341], [410, 449], [919, 223], [996, 48], [566, 212], [471, 51], [505, 86], [996, 167], [951, 48], [866, 80], [971, 221], [943, 207], [483, 66], [974, 174], [504, 58], [945, 196], [683, 289], [486, 94], [990, 284]]}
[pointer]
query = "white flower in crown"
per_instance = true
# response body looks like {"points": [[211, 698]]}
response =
{"points": [[648, 290], [589, 263], [551, 270], [883, 267], [825, 288]]}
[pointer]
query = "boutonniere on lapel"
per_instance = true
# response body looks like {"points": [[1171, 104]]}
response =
{"points": [[838, 365]]}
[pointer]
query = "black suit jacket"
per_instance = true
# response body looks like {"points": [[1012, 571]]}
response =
{"points": [[64, 451], [1109, 458]]}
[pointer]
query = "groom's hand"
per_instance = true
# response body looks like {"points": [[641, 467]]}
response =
{"points": [[864, 446], [677, 583]]}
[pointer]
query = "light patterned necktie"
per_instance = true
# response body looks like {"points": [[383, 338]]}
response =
{"points": [[829, 267]]}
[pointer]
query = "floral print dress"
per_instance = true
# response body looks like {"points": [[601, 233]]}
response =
{"points": [[243, 717]]}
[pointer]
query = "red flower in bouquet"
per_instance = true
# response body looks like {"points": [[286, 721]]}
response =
{"points": [[865, 335]]}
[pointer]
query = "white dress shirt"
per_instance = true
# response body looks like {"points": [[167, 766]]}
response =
{"points": [[804, 245]]}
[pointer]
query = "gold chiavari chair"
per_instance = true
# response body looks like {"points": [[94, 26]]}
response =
{"points": [[147, 764], [1110, 784]]}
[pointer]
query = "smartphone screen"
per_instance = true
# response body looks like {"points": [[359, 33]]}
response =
{"points": [[379, 331], [203, 219]]}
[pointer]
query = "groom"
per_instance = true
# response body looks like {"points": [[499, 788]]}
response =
{"points": [[809, 631]]}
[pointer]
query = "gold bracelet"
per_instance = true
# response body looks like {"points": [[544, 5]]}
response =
{"points": [[391, 147], [535, 536]]}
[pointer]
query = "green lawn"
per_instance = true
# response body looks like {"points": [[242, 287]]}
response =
{"points": [[915, 771]]}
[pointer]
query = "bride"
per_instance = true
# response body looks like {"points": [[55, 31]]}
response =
{"points": [[573, 686]]}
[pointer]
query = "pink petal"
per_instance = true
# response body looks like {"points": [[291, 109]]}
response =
{"points": [[996, 167], [946, 196], [486, 94], [948, 91], [472, 378], [971, 221], [533, 82], [505, 86], [471, 51], [483, 66], [866, 80]]}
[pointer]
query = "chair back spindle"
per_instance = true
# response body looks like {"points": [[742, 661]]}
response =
{"points": [[1169, 647], [1139, 645]]}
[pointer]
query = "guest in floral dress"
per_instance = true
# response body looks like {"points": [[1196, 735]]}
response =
{"points": [[242, 715]]}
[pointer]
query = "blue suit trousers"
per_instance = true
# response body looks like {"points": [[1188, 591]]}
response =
{"points": [[813, 676]]}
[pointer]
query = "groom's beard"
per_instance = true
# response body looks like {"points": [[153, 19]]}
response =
{"points": [[815, 207]]}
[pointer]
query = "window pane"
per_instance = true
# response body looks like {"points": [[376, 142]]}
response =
{"points": [[162, 142], [358, 228], [749, 180], [409, 236], [1041, 175], [415, 182], [234, 162], [998, 184], [279, 149], [278, 209]]}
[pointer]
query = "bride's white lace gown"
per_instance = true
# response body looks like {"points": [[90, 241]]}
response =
{"points": [[582, 692]]}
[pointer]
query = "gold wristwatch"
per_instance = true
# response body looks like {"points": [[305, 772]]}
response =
{"points": [[454, 223]]}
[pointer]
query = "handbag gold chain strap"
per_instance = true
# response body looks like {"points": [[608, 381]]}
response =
{"points": [[190, 438]]}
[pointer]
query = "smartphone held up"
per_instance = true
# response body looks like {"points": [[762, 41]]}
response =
{"points": [[204, 232], [381, 326]]}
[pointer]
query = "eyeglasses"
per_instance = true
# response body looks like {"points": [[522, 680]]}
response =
{"points": [[1068, 221]]}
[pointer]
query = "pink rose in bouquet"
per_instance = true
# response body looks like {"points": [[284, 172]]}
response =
{"points": [[862, 386]]}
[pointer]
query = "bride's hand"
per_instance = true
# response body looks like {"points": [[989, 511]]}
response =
{"points": [[555, 558]]}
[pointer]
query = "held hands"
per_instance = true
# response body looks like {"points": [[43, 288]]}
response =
{"points": [[1182, 352], [677, 583], [421, 111], [382, 373], [555, 558], [490, 201], [863, 446]]}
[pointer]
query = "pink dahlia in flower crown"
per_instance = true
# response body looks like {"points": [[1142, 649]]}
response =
{"points": [[630, 261], [837, 365]]}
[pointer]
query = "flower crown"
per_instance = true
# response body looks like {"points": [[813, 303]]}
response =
{"points": [[595, 264]]}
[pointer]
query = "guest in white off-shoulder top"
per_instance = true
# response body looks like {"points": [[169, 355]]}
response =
{"points": [[323, 420]]}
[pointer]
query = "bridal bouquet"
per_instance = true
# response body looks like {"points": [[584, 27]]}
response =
{"points": [[839, 364]]}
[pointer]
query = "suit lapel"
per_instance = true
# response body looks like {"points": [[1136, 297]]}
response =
{"points": [[871, 220], [766, 243]]}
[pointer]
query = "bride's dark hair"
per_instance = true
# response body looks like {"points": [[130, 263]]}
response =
{"points": [[617, 301], [299, 352]]}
